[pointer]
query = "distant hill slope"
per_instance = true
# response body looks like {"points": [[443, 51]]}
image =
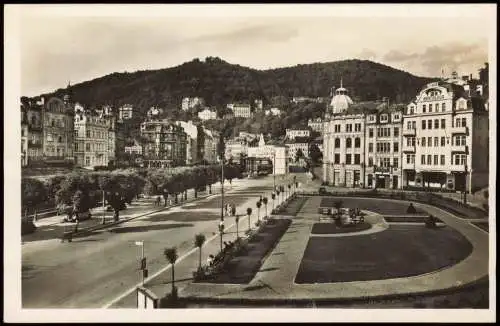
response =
{"points": [[220, 82]]}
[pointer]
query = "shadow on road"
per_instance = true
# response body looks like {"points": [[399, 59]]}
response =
{"points": [[150, 228], [183, 217]]}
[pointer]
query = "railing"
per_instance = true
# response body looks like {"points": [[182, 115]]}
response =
{"points": [[459, 148], [459, 130], [409, 132]]}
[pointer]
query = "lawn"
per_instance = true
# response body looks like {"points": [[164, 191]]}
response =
{"points": [[482, 225], [294, 206], [378, 206], [331, 228], [243, 267], [408, 218], [400, 251], [216, 202]]}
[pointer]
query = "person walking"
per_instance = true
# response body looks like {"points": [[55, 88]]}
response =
{"points": [[233, 210]]}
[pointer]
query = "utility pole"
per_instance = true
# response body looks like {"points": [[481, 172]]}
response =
{"points": [[274, 170]]}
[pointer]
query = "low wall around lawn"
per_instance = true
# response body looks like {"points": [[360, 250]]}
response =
{"points": [[457, 208]]}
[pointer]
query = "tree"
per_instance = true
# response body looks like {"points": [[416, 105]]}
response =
{"points": [[315, 154], [81, 201], [199, 240], [237, 219], [33, 192], [273, 196], [171, 255], [298, 155], [264, 200], [249, 213], [259, 204]]}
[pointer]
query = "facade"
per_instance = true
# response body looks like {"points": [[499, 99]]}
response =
{"points": [[135, 149], [259, 104], [240, 110], [207, 114], [446, 139], [316, 124], [31, 133], [94, 139], [211, 140], [294, 133], [166, 144], [273, 153], [58, 131], [383, 148], [125, 112], [273, 111], [191, 102], [193, 154], [293, 148], [236, 148]]}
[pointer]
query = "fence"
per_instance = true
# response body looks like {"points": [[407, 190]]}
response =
{"points": [[448, 204]]}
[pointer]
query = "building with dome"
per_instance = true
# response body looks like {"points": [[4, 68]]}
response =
{"points": [[340, 101]]}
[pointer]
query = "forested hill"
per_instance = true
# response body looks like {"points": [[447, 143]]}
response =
{"points": [[220, 83]]}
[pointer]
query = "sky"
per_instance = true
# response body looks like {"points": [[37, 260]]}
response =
{"points": [[61, 44]]}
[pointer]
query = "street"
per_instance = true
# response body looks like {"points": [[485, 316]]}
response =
{"points": [[95, 269]]}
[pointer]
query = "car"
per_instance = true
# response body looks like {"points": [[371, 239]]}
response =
{"points": [[322, 190]]}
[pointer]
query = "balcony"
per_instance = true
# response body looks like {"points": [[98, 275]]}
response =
{"points": [[34, 144], [409, 132], [460, 130], [408, 149], [459, 149]]}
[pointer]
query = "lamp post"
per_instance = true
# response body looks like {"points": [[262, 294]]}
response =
{"points": [[221, 232], [274, 169]]}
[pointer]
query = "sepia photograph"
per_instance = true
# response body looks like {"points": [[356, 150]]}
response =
{"points": [[232, 163]]}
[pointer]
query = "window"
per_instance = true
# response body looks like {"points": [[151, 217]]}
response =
{"points": [[429, 124], [370, 132], [357, 127], [396, 117], [87, 147], [436, 141], [424, 108], [396, 162], [348, 127], [459, 159], [383, 118], [76, 133], [423, 142], [408, 125], [429, 159], [411, 111], [436, 157], [49, 137], [370, 161], [429, 141], [385, 162], [410, 158], [348, 143], [460, 140], [443, 107], [414, 125], [337, 159], [337, 142], [88, 133], [396, 132], [22, 132], [370, 148], [464, 122], [59, 139], [443, 141], [430, 108], [437, 107], [337, 128], [442, 160], [371, 118], [357, 158], [348, 159], [395, 147], [443, 123], [423, 124], [357, 142], [436, 124], [87, 160]]}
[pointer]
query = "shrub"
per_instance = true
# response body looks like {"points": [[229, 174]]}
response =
{"points": [[27, 226], [411, 209]]}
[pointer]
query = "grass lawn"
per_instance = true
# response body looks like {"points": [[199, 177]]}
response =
{"points": [[242, 268], [331, 228], [294, 206], [377, 206], [216, 202], [400, 251], [482, 225], [409, 218]]}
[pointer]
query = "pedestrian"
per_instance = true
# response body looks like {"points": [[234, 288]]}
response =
{"points": [[210, 260], [226, 207], [233, 210]]}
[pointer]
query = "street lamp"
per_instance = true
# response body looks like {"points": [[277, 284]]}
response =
{"points": [[274, 168], [221, 231]]}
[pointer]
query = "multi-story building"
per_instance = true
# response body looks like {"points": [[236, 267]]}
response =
{"points": [[383, 147], [166, 143], [191, 102], [94, 139], [446, 139], [207, 114], [344, 142], [58, 131], [273, 111], [134, 149], [240, 110], [259, 104], [294, 133], [236, 148], [316, 124], [31, 132], [273, 153], [211, 141], [125, 112], [195, 148]]}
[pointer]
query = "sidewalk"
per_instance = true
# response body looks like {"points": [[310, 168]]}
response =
{"points": [[187, 263]]}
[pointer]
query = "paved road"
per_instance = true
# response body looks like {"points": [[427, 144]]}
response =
{"points": [[95, 269]]}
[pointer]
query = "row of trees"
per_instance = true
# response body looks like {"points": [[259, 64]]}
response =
{"points": [[84, 190]]}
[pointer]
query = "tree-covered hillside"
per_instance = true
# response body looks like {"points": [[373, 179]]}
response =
{"points": [[220, 83]]}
